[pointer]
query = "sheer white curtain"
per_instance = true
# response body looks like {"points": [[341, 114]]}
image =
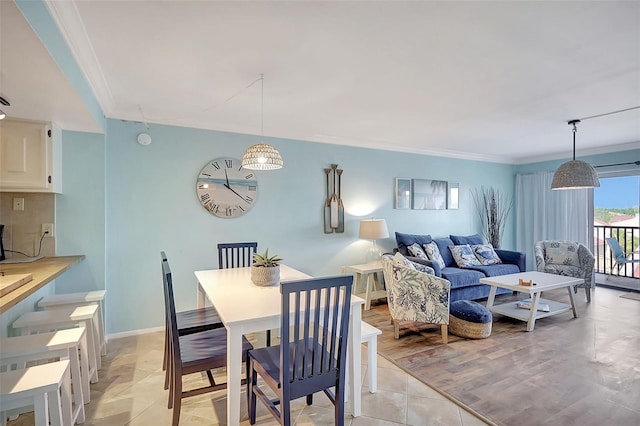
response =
{"points": [[543, 214]]}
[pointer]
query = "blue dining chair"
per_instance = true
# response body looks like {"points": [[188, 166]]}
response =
{"points": [[236, 255], [619, 256], [191, 353], [312, 354]]}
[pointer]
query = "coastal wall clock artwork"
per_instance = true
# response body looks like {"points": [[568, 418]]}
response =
{"points": [[225, 189]]}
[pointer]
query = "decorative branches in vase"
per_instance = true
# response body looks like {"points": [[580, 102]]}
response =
{"points": [[493, 209]]}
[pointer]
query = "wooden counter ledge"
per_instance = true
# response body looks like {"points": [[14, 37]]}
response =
{"points": [[44, 271]]}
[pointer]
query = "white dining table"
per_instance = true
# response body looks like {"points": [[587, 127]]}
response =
{"points": [[247, 308]]}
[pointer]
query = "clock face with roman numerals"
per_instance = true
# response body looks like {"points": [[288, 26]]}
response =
{"points": [[225, 189]]}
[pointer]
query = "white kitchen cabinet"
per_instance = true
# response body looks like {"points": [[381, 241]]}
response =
{"points": [[30, 156]]}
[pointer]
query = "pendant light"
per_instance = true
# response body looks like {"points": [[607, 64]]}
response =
{"points": [[575, 174], [262, 156]]}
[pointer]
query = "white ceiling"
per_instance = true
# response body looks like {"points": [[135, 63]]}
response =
{"points": [[485, 80]]}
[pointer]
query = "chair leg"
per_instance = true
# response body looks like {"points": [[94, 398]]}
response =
{"points": [[310, 399], [396, 331], [268, 337], [177, 398], [339, 404], [443, 330], [252, 379], [588, 291]]}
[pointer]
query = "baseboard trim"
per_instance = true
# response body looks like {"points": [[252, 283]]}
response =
{"points": [[133, 333]]}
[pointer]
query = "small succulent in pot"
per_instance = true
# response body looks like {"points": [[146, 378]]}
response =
{"points": [[265, 270], [266, 261]]}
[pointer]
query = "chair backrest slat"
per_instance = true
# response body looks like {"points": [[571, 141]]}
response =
{"points": [[236, 255], [315, 321]]}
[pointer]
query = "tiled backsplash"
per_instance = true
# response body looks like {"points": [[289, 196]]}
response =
{"points": [[23, 228]]}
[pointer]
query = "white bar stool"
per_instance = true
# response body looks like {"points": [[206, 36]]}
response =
{"points": [[370, 337], [60, 319], [64, 344], [44, 387], [79, 299]]}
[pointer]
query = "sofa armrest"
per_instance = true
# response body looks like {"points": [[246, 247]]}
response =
{"points": [[434, 265], [513, 257]]}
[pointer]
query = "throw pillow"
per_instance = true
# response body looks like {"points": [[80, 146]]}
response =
{"points": [[423, 268], [561, 253], [486, 254], [399, 259], [463, 255], [433, 252], [417, 251], [405, 240]]}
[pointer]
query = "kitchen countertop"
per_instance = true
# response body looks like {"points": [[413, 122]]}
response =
{"points": [[44, 271]]}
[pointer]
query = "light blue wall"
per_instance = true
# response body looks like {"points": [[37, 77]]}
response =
{"points": [[80, 211], [151, 205]]}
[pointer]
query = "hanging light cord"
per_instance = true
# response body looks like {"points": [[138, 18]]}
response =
{"points": [[262, 105], [606, 113], [575, 129]]}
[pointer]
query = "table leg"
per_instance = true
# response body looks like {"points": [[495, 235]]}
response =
{"points": [[234, 371], [200, 296], [573, 302], [535, 297], [355, 367], [492, 297], [367, 305]]}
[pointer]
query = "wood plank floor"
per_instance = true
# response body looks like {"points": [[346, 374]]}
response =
{"points": [[582, 371]]}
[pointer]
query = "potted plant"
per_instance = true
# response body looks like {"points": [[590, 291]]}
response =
{"points": [[265, 270]]}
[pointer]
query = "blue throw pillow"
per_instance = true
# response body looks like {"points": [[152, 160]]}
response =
{"points": [[466, 239], [406, 240], [464, 256], [486, 254]]}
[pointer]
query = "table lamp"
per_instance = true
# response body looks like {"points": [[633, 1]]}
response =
{"points": [[373, 229]]}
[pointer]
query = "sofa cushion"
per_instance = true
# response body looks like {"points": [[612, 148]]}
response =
{"points": [[486, 254], [416, 250], [461, 277], [464, 256], [443, 245], [433, 252], [466, 239], [405, 240], [495, 270], [561, 253]]}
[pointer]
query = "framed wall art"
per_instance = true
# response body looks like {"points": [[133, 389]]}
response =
{"points": [[453, 197], [429, 194], [403, 193]]}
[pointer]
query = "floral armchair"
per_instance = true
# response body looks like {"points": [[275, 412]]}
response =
{"points": [[415, 296], [566, 258]]}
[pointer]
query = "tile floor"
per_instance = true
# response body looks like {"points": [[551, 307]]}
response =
{"points": [[130, 392]]}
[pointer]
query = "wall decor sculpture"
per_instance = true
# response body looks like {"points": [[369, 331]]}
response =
{"points": [[333, 207]]}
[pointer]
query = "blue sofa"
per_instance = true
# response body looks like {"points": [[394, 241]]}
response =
{"points": [[465, 282]]}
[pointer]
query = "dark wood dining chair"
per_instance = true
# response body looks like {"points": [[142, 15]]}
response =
{"points": [[236, 255], [189, 322], [192, 353], [312, 354]]}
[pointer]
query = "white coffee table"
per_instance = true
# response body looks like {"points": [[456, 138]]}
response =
{"points": [[543, 282]]}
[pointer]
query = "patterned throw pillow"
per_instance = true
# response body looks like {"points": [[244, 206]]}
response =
{"points": [[561, 253], [417, 251], [433, 252], [486, 254], [399, 259], [463, 255]]}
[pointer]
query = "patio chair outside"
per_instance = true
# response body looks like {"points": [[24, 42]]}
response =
{"points": [[619, 256]]}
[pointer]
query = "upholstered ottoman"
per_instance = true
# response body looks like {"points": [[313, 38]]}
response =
{"points": [[469, 319]]}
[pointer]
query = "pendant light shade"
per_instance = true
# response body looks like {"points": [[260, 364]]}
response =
{"points": [[575, 174], [262, 156]]}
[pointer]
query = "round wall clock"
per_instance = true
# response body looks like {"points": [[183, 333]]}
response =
{"points": [[225, 189]]}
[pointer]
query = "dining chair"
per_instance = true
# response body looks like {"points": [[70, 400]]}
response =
{"points": [[238, 255], [312, 354], [619, 256], [188, 322], [192, 353]]}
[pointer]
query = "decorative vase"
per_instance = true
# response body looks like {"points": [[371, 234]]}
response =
{"points": [[265, 276]]}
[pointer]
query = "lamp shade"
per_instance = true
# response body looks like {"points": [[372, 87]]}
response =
{"points": [[373, 229], [262, 157], [575, 174]]}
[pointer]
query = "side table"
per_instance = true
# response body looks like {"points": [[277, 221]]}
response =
{"points": [[368, 273]]}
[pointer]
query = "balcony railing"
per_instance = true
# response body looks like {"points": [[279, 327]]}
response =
{"points": [[629, 239]]}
